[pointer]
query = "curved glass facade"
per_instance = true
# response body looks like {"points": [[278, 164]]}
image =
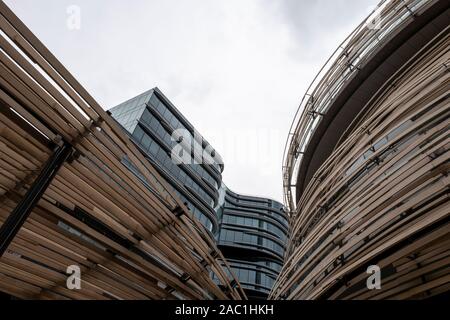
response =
{"points": [[151, 120], [252, 235]]}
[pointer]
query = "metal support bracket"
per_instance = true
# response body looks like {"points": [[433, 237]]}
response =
{"points": [[23, 209]]}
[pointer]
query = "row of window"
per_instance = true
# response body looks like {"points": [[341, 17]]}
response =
{"points": [[170, 117], [204, 220], [159, 154], [255, 201], [128, 115], [259, 279], [156, 127], [79, 234], [240, 237], [130, 112], [277, 215], [252, 201], [254, 223], [263, 265], [249, 279]]}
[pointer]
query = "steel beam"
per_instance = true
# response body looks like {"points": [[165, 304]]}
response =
{"points": [[23, 209]]}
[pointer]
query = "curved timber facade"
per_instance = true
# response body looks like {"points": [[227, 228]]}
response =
{"points": [[367, 162], [68, 201]]}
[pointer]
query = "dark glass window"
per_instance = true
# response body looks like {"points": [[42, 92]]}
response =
{"points": [[146, 142], [147, 117], [154, 148], [175, 123], [161, 108], [154, 100], [138, 134]]}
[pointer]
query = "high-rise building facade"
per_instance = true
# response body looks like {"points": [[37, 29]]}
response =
{"points": [[250, 231], [151, 120], [252, 236], [367, 163]]}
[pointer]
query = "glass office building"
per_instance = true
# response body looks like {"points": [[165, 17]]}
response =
{"points": [[252, 235], [150, 119], [250, 231]]}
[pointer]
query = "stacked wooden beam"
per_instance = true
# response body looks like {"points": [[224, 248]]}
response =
{"points": [[382, 198], [358, 48], [130, 242]]}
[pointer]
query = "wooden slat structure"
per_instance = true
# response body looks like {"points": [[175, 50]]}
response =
{"points": [[382, 197], [342, 67], [131, 242]]}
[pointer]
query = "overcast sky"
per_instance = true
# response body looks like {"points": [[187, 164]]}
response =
{"points": [[237, 69]]}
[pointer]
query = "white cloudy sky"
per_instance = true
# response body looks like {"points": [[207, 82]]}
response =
{"points": [[237, 69]]}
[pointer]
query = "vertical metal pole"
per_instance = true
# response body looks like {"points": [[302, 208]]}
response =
{"points": [[23, 209]]}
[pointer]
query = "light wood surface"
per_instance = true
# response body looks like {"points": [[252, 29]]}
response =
{"points": [[148, 252]]}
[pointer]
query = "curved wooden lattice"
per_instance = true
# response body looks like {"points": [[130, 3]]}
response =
{"points": [[130, 242], [344, 65], [382, 197]]}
